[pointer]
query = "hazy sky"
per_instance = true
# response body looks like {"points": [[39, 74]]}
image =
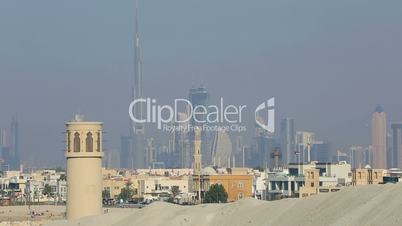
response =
{"points": [[328, 63]]}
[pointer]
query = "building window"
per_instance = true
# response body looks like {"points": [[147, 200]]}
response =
{"points": [[89, 142], [77, 142], [360, 175], [98, 142], [68, 142], [241, 185], [312, 184]]}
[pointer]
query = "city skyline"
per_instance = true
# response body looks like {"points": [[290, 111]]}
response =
{"points": [[229, 112], [328, 89]]}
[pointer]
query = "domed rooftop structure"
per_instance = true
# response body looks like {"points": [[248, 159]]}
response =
{"points": [[379, 109], [367, 167], [208, 171]]}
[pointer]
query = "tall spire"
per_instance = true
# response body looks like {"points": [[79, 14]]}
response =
{"points": [[136, 156], [137, 88]]}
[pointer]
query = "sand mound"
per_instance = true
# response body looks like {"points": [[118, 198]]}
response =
{"points": [[369, 205]]}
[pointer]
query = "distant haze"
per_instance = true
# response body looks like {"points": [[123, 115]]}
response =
{"points": [[328, 63]]}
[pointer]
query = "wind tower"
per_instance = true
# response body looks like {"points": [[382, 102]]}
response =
{"points": [[84, 168]]}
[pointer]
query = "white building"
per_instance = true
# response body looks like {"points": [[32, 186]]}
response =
{"points": [[259, 187], [34, 191], [286, 182], [156, 188]]}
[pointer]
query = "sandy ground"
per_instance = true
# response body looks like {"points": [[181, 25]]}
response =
{"points": [[369, 205], [19, 215]]}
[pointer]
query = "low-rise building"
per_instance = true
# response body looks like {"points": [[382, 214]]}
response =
{"points": [[368, 176], [115, 185], [259, 187], [302, 180], [393, 175], [156, 188], [238, 182], [34, 191], [311, 183]]}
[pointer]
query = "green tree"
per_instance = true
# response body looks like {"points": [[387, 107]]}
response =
{"points": [[63, 177], [216, 194], [126, 193], [47, 190], [175, 191], [59, 169], [259, 168]]}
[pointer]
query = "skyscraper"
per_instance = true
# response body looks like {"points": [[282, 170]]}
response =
{"points": [[138, 128], [288, 140], [222, 149], [304, 141], [15, 145], [4, 150], [126, 160], [151, 153], [390, 150], [3, 143], [180, 142], [396, 153], [238, 148], [137, 153], [199, 97], [264, 145], [3, 138], [111, 159], [357, 157], [379, 138], [321, 151]]}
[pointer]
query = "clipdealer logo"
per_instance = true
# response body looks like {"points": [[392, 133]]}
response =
{"points": [[211, 117], [269, 106]]}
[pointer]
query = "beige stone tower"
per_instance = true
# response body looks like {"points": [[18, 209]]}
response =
{"points": [[197, 164], [379, 138], [197, 152], [84, 168]]}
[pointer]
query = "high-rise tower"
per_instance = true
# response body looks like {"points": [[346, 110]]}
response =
{"points": [[304, 141], [222, 149], [3, 138], [137, 128], [396, 153], [137, 153], [379, 138], [15, 145], [288, 140], [199, 97]]}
